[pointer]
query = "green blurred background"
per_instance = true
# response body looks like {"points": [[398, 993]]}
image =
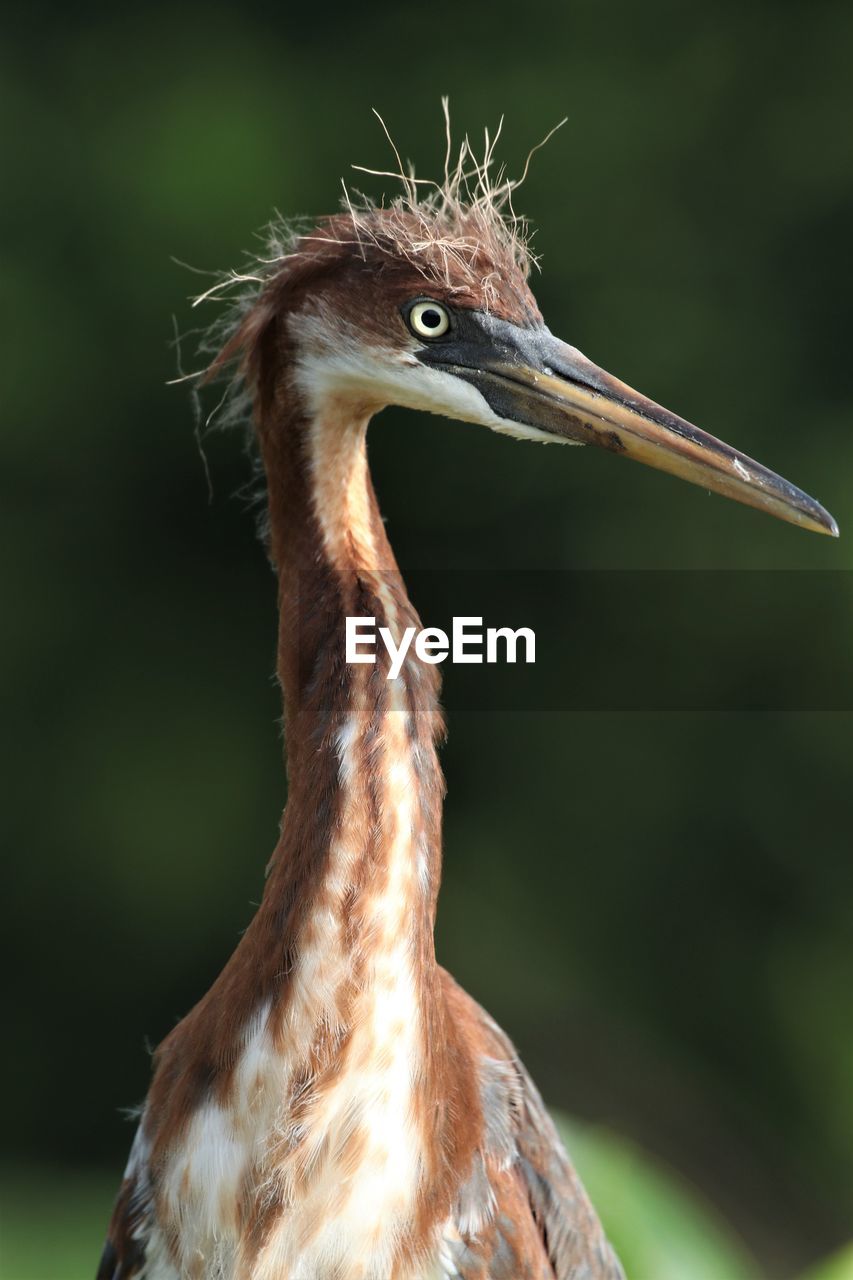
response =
{"points": [[674, 957]]}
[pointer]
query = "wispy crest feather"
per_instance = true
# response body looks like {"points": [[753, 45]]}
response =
{"points": [[457, 222]]}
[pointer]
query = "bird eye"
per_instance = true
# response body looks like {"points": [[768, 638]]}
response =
{"points": [[429, 320]]}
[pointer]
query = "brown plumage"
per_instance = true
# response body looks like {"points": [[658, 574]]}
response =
{"points": [[336, 1106]]}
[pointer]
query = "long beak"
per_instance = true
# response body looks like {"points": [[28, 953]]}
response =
{"points": [[530, 377]]}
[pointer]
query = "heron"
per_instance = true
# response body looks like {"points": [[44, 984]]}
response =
{"points": [[336, 1107]]}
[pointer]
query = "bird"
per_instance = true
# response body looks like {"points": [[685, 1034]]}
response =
{"points": [[336, 1107]]}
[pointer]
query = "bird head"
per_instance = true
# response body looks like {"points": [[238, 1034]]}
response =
{"points": [[426, 303]]}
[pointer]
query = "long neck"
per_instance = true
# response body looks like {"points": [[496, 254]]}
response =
{"points": [[361, 841], [338, 964]]}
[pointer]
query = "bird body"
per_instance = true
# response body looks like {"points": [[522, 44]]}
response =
{"points": [[336, 1106]]}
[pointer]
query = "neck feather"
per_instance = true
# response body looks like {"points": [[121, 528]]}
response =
{"points": [[360, 845], [357, 741], [336, 973]]}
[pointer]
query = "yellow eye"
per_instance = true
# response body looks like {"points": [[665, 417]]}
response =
{"points": [[429, 320]]}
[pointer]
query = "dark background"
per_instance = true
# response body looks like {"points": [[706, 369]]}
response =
{"points": [[656, 903]]}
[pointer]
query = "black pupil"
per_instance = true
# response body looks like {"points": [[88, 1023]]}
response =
{"points": [[431, 319]]}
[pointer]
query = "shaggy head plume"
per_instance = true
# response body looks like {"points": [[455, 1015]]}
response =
{"points": [[461, 235]]}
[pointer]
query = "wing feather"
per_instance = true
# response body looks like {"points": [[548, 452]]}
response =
{"points": [[124, 1255], [540, 1220]]}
